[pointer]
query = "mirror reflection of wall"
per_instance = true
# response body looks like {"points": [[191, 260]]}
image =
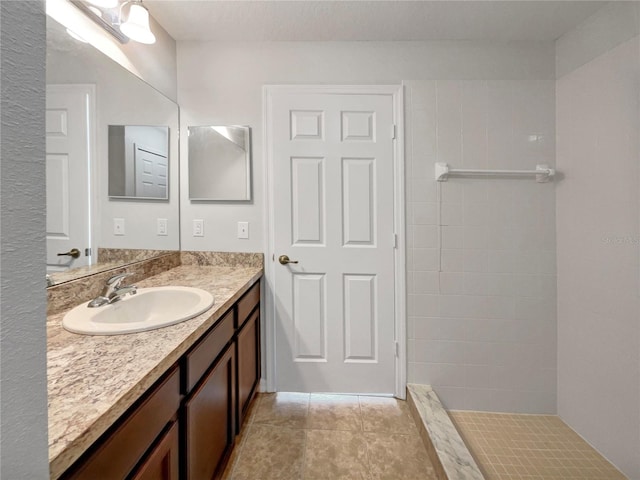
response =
{"points": [[220, 163], [138, 161], [111, 96]]}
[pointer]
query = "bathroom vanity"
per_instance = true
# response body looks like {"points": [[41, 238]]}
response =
{"points": [[167, 403]]}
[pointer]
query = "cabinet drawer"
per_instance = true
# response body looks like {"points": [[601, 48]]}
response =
{"points": [[247, 303], [125, 447], [208, 349]]}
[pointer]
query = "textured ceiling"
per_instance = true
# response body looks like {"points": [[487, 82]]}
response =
{"points": [[329, 20]]}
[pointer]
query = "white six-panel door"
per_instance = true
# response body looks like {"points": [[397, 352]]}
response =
{"points": [[333, 213], [68, 136]]}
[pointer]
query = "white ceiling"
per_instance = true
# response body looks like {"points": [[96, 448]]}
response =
{"points": [[326, 20]]}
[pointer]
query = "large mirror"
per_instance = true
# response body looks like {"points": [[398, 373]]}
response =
{"points": [[86, 93], [220, 163]]}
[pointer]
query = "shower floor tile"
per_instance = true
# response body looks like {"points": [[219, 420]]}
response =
{"points": [[293, 436], [535, 447]]}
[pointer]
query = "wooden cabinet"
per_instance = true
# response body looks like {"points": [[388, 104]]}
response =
{"points": [[248, 345], [210, 420], [162, 463], [118, 452], [185, 426]]}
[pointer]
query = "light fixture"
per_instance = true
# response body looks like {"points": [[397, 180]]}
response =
{"points": [[136, 27], [77, 36], [104, 3]]}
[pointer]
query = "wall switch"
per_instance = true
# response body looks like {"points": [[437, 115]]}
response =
{"points": [[162, 226], [118, 226], [198, 228], [243, 229]]}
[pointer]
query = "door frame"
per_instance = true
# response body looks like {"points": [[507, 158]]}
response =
{"points": [[88, 89], [396, 92]]}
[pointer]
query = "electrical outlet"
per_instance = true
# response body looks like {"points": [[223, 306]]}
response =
{"points": [[198, 228], [243, 229], [162, 226], [118, 226]]}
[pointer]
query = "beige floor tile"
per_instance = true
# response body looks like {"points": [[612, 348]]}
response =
{"points": [[334, 412], [398, 457], [270, 453], [335, 455], [282, 409], [388, 415]]}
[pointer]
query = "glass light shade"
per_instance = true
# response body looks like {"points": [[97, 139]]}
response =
{"points": [[104, 3], [77, 36], [137, 25]]}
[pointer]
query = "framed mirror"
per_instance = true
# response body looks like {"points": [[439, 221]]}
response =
{"points": [[220, 163], [139, 162]]}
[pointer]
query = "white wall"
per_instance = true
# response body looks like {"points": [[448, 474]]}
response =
{"points": [[23, 381], [513, 331], [598, 234], [121, 99], [221, 83], [155, 63]]}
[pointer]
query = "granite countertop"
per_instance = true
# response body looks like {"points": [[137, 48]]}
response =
{"points": [[92, 380]]}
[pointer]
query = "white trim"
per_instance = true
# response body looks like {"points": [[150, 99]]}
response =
{"points": [[397, 94], [400, 251]]}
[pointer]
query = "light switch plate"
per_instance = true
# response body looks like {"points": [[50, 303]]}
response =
{"points": [[162, 227], [118, 226], [243, 230], [198, 228]]}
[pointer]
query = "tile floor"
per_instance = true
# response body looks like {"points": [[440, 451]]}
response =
{"points": [[532, 447], [317, 437]]}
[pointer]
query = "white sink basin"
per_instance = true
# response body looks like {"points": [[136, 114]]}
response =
{"points": [[148, 309]]}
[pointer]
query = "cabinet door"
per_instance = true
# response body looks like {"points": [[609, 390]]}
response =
{"points": [[116, 456], [162, 462], [210, 415], [248, 363]]}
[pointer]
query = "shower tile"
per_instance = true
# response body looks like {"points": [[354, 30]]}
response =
{"points": [[530, 446]]}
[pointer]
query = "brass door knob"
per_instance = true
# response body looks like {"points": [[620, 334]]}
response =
{"points": [[284, 259], [74, 253]]}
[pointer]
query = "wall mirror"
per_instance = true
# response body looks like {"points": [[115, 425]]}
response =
{"points": [[138, 162], [220, 163], [86, 93]]}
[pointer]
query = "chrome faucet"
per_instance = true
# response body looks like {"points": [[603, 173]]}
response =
{"points": [[112, 291]]}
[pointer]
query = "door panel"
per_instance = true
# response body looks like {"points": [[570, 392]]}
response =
{"points": [[333, 190], [307, 200], [68, 135]]}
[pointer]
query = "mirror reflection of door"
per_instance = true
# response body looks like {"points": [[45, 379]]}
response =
{"points": [[151, 172], [69, 125], [139, 161]]}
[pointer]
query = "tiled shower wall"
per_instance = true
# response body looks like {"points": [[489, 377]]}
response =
{"points": [[481, 251]]}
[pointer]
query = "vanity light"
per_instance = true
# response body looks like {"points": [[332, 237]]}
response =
{"points": [[104, 3], [76, 36], [137, 25]]}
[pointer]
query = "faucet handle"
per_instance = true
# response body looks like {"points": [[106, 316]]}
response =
{"points": [[117, 279]]}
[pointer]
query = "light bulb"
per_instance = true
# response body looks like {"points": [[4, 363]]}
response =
{"points": [[137, 25]]}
